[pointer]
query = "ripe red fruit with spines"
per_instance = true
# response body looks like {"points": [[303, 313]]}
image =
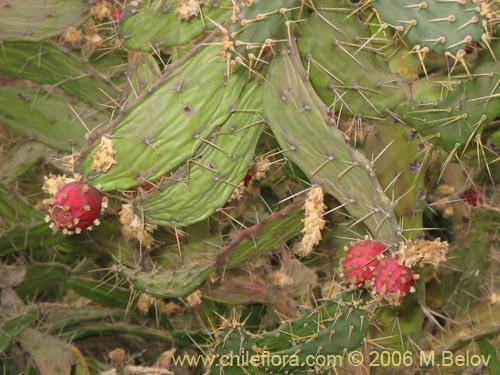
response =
{"points": [[360, 261], [392, 280], [76, 206]]}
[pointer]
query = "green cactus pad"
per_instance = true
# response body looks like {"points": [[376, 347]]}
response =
{"points": [[38, 20], [215, 170], [299, 120], [47, 63], [13, 327], [255, 25], [48, 118], [165, 283], [441, 26], [401, 161], [263, 237], [21, 226], [465, 111], [347, 71], [318, 339], [156, 24], [166, 127]]}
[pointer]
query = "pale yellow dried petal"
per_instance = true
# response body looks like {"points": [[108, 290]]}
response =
{"points": [[103, 157], [187, 8]]}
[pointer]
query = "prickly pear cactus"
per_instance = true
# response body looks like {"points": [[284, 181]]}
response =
{"points": [[249, 187]]}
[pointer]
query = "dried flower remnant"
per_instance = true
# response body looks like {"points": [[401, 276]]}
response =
{"points": [[117, 356], [194, 299], [313, 222], [187, 8], [73, 37], [134, 228], [423, 252], [101, 10], [331, 289], [170, 308], [144, 303], [237, 192], [103, 156], [260, 167]]}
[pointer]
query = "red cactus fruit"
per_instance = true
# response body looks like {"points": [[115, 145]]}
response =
{"points": [[473, 197], [117, 14], [392, 280], [360, 261], [76, 206]]}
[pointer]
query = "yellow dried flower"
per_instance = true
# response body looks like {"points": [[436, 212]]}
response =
{"points": [[187, 8], [134, 228], [423, 252], [144, 303], [101, 10], [194, 299], [103, 156], [313, 222], [170, 308], [261, 167]]}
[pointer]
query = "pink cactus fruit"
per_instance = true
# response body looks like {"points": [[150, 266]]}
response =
{"points": [[75, 206], [392, 280], [360, 261], [473, 197]]}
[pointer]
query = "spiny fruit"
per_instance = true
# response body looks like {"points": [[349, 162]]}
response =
{"points": [[75, 206], [360, 261], [392, 280]]}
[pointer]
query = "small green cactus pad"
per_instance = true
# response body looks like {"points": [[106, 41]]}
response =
{"points": [[346, 69], [48, 118], [401, 160], [48, 63], [21, 226], [253, 27], [300, 122], [38, 20], [263, 237], [165, 283], [215, 171], [156, 24], [166, 127], [101, 292], [466, 110], [440, 26], [19, 158], [318, 339]]}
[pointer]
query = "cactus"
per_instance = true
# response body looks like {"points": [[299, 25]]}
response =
{"points": [[213, 173], [435, 26], [176, 119], [331, 328], [241, 147], [290, 103], [157, 25], [33, 20]]}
